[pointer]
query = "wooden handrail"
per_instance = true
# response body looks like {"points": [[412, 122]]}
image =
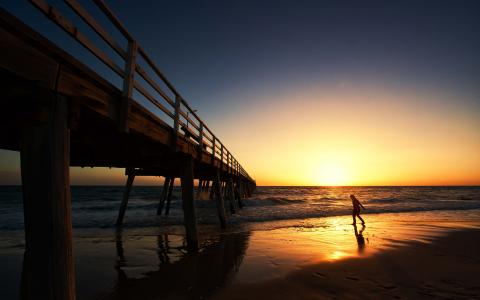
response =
{"points": [[205, 137]]}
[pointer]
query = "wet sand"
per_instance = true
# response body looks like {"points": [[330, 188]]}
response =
{"points": [[406, 255], [445, 268]]}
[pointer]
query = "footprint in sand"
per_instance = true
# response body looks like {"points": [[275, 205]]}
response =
{"points": [[352, 278], [321, 275]]}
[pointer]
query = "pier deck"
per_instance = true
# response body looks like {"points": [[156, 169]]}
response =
{"points": [[58, 113]]}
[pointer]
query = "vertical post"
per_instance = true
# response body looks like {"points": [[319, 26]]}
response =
{"points": [[48, 270], [169, 197], [176, 122], [163, 197], [238, 194], [126, 194], [231, 196], [213, 149], [128, 83], [219, 199], [199, 188], [200, 142], [221, 157], [187, 202]]}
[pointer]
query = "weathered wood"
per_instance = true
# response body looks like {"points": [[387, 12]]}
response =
{"points": [[199, 188], [87, 18], [54, 14], [169, 196], [212, 190], [188, 202], [206, 185], [126, 194], [163, 197], [128, 86], [219, 200], [176, 123], [238, 193], [48, 271], [231, 197]]}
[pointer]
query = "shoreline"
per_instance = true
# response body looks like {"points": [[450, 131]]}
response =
{"points": [[251, 260]]}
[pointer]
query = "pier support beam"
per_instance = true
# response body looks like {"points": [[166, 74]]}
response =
{"points": [[169, 196], [126, 194], [163, 197], [238, 194], [48, 267], [231, 196], [187, 202], [219, 199]]}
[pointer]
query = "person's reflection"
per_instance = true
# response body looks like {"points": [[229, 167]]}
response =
{"points": [[360, 238]]}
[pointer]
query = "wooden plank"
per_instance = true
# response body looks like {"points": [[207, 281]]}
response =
{"points": [[157, 88], [126, 194], [188, 206], [128, 85], [48, 270], [54, 14], [158, 72], [152, 99], [87, 18], [111, 16], [18, 57]]}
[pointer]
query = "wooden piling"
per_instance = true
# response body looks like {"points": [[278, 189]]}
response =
{"points": [[48, 271], [187, 202], [163, 196], [219, 199], [169, 196], [126, 194], [231, 197], [199, 188], [238, 194], [212, 190]]}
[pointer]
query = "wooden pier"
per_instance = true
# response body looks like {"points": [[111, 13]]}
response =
{"points": [[59, 113]]}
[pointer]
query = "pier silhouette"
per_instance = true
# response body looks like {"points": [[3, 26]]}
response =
{"points": [[57, 112]]}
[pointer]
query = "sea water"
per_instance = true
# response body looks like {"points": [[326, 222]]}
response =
{"points": [[97, 206]]}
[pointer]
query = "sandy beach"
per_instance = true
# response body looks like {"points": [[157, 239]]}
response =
{"points": [[396, 256]]}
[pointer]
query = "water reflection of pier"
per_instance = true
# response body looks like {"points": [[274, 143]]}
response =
{"points": [[182, 274]]}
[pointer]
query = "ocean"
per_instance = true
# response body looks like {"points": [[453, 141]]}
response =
{"points": [[280, 230], [97, 206]]}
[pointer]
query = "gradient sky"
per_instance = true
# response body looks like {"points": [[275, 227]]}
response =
{"points": [[314, 92]]}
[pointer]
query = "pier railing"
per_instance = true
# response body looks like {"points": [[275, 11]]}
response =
{"points": [[151, 83]]}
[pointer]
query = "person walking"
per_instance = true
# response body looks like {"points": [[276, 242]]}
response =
{"points": [[356, 209]]}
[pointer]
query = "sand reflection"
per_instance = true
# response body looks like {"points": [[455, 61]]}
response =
{"points": [[274, 253], [180, 273]]}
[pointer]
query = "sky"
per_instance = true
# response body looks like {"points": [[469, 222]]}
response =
{"points": [[312, 92]]}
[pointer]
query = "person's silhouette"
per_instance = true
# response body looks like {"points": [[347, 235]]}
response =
{"points": [[356, 209]]}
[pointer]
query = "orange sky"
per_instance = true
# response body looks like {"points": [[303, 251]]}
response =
{"points": [[340, 135], [356, 135]]}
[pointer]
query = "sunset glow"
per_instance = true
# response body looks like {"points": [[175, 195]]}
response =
{"points": [[357, 135]]}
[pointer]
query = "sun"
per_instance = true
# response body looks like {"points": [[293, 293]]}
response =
{"points": [[331, 174]]}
